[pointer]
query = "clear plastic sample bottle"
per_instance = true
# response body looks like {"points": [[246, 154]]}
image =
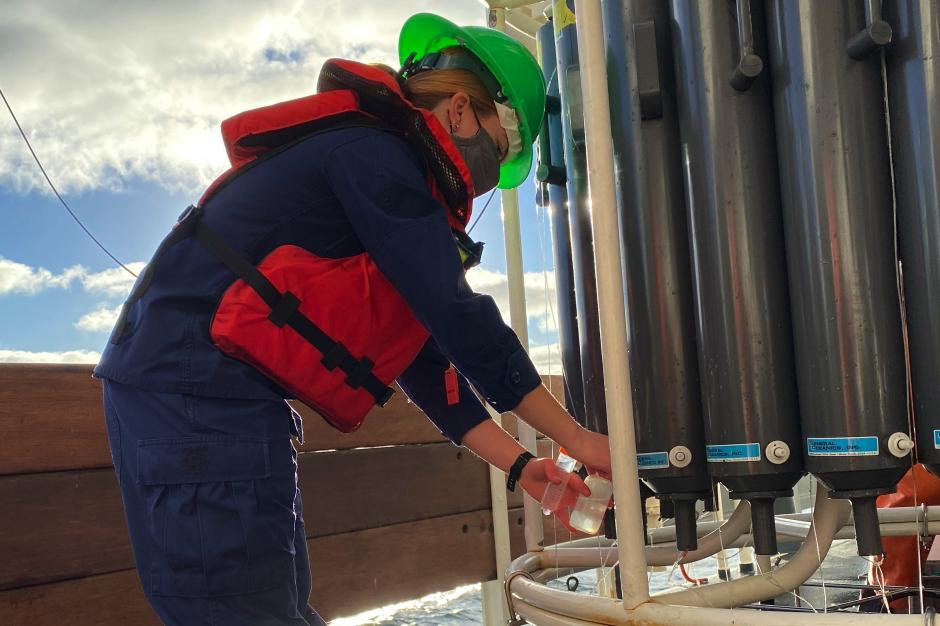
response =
{"points": [[554, 493], [588, 513]]}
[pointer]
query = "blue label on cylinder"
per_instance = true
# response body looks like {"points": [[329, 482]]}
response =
{"points": [[936, 439], [652, 460], [733, 452], [842, 446]]}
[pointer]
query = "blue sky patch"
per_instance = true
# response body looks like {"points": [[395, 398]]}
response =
{"points": [[280, 56], [120, 152]]}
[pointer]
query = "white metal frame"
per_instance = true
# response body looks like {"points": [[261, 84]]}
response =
{"points": [[542, 605]]}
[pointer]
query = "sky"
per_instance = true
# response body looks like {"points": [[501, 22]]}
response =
{"points": [[122, 103]]}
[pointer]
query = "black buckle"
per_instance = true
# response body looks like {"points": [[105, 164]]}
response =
{"points": [[284, 308], [186, 222], [383, 399], [359, 373], [408, 66], [334, 356]]}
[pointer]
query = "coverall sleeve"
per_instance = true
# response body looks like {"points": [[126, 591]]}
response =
{"points": [[380, 184], [423, 382]]}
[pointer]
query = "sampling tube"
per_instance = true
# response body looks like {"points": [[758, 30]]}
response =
{"points": [[752, 420], [651, 205], [835, 180], [913, 85]]}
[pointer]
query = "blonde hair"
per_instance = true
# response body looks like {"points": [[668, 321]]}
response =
{"points": [[426, 89]]}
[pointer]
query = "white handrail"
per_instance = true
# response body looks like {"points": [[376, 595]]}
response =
{"points": [[610, 289]]}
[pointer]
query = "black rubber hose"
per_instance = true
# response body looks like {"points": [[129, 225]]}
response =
{"points": [[763, 528], [867, 530], [686, 538], [666, 509]]}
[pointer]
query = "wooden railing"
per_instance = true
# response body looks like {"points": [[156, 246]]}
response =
{"points": [[404, 492]]}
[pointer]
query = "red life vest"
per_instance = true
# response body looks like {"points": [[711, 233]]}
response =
{"points": [[332, 332]]}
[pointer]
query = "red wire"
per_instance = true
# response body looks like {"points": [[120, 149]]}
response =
{"points": [[689, 579]]}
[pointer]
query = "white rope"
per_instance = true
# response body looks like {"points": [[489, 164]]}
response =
{"points": [[721, 544], [878, 573], [804, 601], [902, 304], [814, 486]]}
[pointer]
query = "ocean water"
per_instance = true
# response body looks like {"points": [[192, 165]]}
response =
{"points": [[463, 606], [449, 608]]}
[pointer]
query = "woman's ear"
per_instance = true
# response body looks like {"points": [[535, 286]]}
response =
{"points": [[457, 108]]}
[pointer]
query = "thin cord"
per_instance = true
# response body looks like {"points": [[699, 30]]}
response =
{"points": [[792, 592], [803, 600], [56, 191], [551, 309], [541, 227], [905, 335], [482, 211], [819, 557], [545, 275], [879, 577], [675, 565], [721, 541]]}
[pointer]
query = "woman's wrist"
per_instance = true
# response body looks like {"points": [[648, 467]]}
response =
{"points": [[577, 438], [493, 444], [542, 411]]}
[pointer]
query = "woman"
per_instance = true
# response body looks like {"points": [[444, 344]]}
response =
{"points": [[327, 262]]}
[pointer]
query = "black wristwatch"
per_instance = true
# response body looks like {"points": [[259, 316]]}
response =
{"points": [[516, 470]]}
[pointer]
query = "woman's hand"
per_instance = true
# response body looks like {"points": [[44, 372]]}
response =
{"points": [[538, 474], [592, 449], [540, 409]]}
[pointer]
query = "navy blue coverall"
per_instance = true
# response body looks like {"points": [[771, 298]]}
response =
{"points": [[201, 442]]}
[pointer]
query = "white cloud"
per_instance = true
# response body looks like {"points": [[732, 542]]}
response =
{"points": [[68, 356], [107, 91], [112, 282], [540, 301], [100, 320], [546, 358], [19, 278], [539, 294]]}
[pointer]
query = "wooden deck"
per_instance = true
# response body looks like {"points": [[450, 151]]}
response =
{"points": [[65, 556]]}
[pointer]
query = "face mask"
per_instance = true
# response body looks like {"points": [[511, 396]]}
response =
{"points": [[481, 155]]}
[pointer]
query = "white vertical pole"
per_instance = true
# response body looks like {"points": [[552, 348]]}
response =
{"points": [[512, 235], [512, 238], [495, 609], [613, 323], [534, 535]]}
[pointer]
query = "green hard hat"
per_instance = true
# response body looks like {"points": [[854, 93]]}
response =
{"points": [[514, 68]]}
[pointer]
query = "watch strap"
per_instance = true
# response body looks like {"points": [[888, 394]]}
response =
{"points": [[515, 472]]}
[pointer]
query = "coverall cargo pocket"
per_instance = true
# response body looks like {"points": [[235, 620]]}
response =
{"points": [[220, 522]]}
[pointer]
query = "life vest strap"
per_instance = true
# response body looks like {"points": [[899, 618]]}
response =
{"points": [[285, 310]]}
